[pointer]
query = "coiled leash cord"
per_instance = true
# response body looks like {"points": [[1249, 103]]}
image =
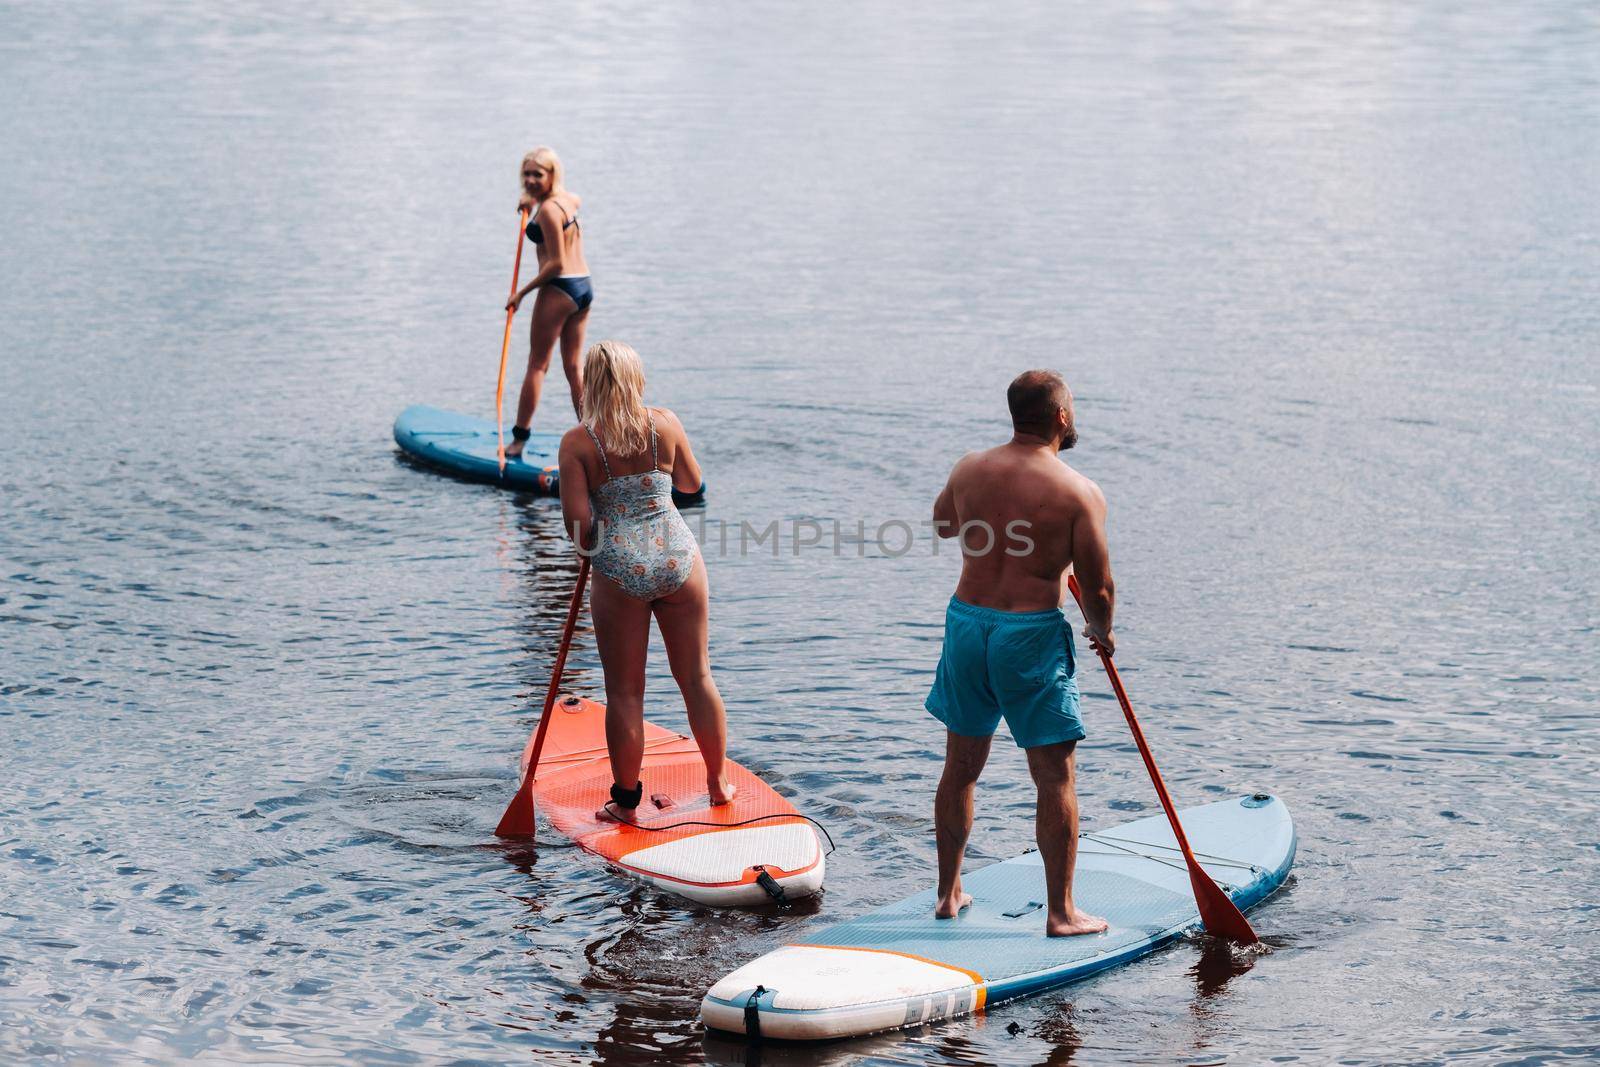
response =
{"points": [[742, 822], [764, 879]]}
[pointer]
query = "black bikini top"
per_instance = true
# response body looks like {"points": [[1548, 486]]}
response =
{"points": [[536, 235]]}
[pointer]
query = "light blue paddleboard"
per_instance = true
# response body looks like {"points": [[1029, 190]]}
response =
{"points": [[899, 966], [465, 446]]}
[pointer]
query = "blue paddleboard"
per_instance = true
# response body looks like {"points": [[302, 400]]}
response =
{"points": [[465, 446], [899, 966]]}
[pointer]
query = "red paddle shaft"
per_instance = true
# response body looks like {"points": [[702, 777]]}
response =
{"points": [[518, 819], [1220, 914], [505, 346]]}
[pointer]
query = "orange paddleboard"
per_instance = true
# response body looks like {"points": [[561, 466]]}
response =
{"points": [[729, 855]]}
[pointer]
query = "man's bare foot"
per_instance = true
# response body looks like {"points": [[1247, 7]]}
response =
{"points": [[514, 450], [721, 792], [1081, 922], [612, 813], [949, 907]]}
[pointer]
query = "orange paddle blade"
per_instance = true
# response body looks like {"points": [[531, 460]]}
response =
{"points": [[518, 818], [1221, 916]]}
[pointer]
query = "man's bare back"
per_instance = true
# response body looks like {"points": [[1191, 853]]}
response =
{"points": [[1023, 518]]}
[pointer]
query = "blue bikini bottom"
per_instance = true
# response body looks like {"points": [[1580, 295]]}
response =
{"points": [[576, 286]]}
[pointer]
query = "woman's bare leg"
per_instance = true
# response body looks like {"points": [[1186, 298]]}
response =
{"points": [[550, 309], [572, 356], [683, 621], [622, 632]]}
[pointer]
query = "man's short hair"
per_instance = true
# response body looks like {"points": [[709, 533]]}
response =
{"points": [[1034, 397]]}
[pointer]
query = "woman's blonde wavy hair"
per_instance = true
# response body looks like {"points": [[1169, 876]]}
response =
{"points": [[613, 398], [546, 158]]}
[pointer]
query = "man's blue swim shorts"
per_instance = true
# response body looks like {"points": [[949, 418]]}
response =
{"points": [[1016, 664]]}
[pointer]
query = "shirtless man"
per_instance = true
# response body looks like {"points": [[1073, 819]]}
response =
{"points": [[1024, 518]]}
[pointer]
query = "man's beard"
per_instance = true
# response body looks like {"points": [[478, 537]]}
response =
{"points": [[1068, 439]]}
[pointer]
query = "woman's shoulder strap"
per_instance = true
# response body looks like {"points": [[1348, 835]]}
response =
{"points": [[604, 463]]}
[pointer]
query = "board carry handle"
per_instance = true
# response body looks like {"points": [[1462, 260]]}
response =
{"points": [[505, 346], [1218, 912], [770, 885], [1027, 909], [518, 818]]}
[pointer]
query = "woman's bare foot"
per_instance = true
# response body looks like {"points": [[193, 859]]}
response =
{"points": [[1080, 922], [721, 792], [612, 813], [514, 450], [949, 907]]}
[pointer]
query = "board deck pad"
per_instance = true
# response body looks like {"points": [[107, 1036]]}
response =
{"points": [[899, 966], [712, 859], [467, 447]]}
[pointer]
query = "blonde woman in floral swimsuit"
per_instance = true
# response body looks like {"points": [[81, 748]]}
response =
{"points": [[618, 469]]}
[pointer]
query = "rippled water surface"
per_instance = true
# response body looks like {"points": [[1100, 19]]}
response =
{"points": [[1323, 277]]}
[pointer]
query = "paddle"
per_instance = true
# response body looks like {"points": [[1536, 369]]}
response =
{"points": [[518, 819], [505, 346], [1219, 913]]}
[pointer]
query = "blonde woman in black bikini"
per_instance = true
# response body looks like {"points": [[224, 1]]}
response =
{"points": [[618, 470], [562, 308]]}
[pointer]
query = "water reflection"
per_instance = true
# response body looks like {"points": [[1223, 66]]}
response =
{"points": [[542, 556], [1061, 1033], [521, 855], [1220, 961], [732, 1050]]}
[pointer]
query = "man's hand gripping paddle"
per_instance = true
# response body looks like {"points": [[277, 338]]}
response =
{"points": [[505, 346], [518, 819], [1219, 913]]}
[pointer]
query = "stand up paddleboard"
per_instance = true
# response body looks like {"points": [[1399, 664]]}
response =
{"points": [[467, 447], [899, 966], [755, 850]]}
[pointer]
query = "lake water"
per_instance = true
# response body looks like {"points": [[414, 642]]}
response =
{"points": [[1323, 278]]}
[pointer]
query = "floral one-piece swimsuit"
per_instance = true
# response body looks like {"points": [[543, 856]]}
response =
{"points": [[643, 543]]}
